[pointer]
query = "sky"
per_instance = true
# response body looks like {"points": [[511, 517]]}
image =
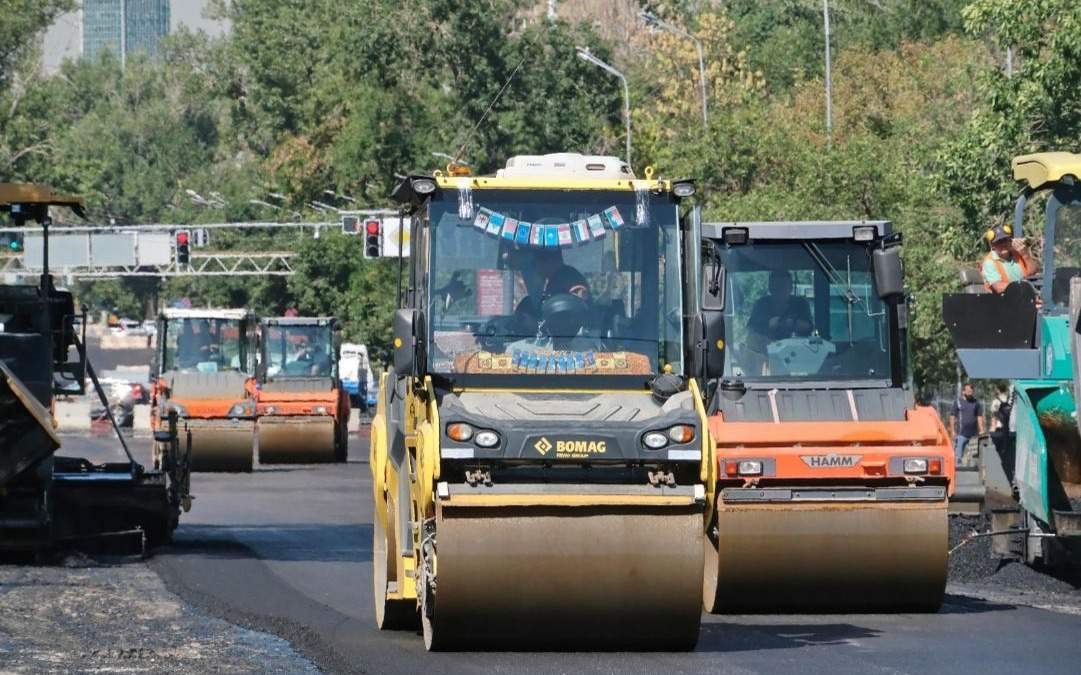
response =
{"points": [[63, 38]]}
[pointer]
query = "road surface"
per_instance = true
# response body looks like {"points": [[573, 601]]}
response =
{"points": [[287, 550]]}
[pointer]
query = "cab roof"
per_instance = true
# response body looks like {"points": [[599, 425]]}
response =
{"points": [[298, 320], [231, 314], [798, 229], [1043, 168], [559, 171], [37, 196]]}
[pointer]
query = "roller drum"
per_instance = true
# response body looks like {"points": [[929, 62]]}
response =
{"points": [[296, 440], [220, 445], [827, 558], [567, 578]]}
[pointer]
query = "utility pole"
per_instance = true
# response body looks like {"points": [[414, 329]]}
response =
{"points": [[653, 20], [829, 86]]}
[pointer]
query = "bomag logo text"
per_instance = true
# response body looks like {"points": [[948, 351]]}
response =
{"points": [[581, 447]]}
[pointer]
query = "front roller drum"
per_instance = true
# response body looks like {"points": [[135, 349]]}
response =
{"points": [[297, 439], [587, 578], [827, 558], [219, 445]]}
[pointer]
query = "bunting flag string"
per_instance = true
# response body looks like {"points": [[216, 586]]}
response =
{"points": [[559, 235]]}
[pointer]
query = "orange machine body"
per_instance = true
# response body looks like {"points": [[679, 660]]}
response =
{"points": [[850, 452], [332, 403]]}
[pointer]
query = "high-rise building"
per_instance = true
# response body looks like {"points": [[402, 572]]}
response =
{"points": [[124, 26]]}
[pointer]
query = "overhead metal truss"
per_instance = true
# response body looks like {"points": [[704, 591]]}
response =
{"points": [[202, 264]]}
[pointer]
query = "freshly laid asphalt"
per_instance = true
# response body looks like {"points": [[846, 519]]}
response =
{"points": [[287, 550]]}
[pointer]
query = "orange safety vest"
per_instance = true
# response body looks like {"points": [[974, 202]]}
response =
{"points": [[1002, 268]]}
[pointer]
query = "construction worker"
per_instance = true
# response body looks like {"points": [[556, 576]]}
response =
{"points": [[966, 420], [1007, 262]]}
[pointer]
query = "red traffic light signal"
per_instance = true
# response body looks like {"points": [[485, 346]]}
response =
{"points": [[183, 247], [373, 240]]}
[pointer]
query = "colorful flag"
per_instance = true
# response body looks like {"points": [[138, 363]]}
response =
{"points": [[509, 227], [536, 237], [614, 217], [581, 230], [495, 223], [481, 221], [564, 234], [551, 236], [521, 236], [596, 227]]}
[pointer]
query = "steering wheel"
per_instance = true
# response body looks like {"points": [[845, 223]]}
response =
{"points": [[563, 315]]}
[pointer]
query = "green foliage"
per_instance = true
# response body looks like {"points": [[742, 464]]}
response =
{"points": [[1037, 109], [21, 23]]}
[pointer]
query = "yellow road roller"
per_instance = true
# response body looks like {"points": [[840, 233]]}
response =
{"points": [[204, 363], [541, 472]]}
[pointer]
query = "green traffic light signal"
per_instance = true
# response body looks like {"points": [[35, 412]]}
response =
{"points": [[15, 245]]}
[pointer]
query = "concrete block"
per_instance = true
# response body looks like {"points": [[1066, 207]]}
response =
{"points": [[73, 415], [142, 418]]}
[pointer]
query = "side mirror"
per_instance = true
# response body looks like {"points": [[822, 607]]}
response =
{"points": [[889, 273], [713, 334], [713, 287], [405, 343]]}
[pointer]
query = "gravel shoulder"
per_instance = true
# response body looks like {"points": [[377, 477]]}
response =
{"points": [[82, 615]]}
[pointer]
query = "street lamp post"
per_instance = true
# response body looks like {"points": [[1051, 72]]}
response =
{"points": [[651, 19], [586, 55], [829, 86]]}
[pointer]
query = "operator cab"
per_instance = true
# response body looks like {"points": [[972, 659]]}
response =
{"points": [[526, 285], [298, 347], [807, 306], [987, 345], [206, 341]]}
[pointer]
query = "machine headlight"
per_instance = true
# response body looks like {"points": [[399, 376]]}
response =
{"points": [[655, 440], [683, 188], [915, 465], [319, 410], [459, 432], [242, 409], [487, 439], [864, 233], [681, 433], [270, 410], [423, 186], [750, 467]]}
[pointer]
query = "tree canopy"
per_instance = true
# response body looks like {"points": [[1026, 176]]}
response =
{"points": [[305, 96]]}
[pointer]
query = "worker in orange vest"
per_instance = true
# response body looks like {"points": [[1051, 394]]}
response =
{"points": [[1008, 260]]}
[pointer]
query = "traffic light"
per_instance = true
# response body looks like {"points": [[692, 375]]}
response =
{"points": [[373, 239], [14, 243], [183, 247], [350, 223]]}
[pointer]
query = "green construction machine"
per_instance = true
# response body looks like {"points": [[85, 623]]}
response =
{"points": [[1029, 334]]}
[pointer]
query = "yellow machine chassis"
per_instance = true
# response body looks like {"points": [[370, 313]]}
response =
{"points": [[421, 422]]}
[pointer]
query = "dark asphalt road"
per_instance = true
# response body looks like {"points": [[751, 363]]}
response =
{"points": [[288, 550]]}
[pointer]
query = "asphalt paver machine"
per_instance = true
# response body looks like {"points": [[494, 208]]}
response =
{"points": [[1029, 335], [832, 483], [48, 497], [539, 457], [204, 364], [302, 410]]}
